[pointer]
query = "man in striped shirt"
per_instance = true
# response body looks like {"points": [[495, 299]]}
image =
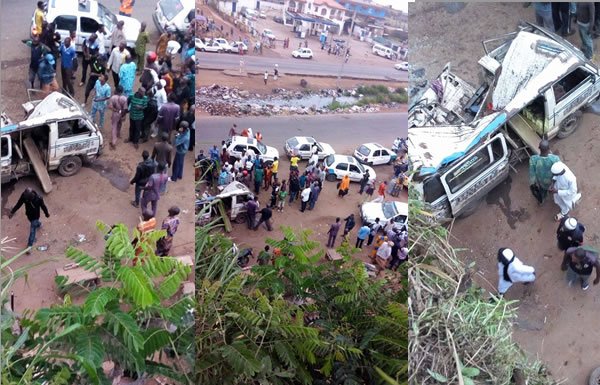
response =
{"points": [[137, 103]]}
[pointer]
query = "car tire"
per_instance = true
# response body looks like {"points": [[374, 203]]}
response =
{"points": [[595, 377], [202, 50], [331, 177], [70, 166], [569, 124]]}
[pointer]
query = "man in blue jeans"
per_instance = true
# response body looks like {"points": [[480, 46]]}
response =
{"points": [[182, 142], [543, 15], [585, 22], [33, 203]]}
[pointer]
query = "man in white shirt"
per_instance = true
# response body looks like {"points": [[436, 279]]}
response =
{"points": [[512, 270], [102, 42], [305, 197], [383, 255], [160, 96], [116, 59], [564, 189]]}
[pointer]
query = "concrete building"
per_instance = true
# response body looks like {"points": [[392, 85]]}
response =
{"points": [[312, 17]]}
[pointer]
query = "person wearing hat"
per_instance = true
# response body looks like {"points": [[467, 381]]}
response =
{"points": [[564, 189], [579, 262], [47, 74], [137, 104], [569, 233], [540, 177], [512, 270]]}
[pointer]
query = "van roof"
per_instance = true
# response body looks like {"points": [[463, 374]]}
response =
{"points": [[74, 6], [53, 107]]}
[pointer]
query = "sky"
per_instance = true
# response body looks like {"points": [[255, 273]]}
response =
{"points": [[397, 4]]}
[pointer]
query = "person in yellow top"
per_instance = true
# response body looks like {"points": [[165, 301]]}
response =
{"points": [[39, 18], [126, 8], [275, 168], [344, 186], [294, 162]]}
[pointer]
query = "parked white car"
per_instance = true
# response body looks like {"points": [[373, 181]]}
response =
{"points": [[174, 14], [374, 154], [223, 43], [84, 19], [303, 53], [302, 147], [237, 145], [210, 46], [237, 45], [339, 165], [268, 33], [262, 15], [402, 66], [386, 211]]}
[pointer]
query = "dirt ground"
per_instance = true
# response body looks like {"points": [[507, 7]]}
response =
{"points": [[556, 324], [99, 192], [328, 207], [255, 83], [360, 52]]}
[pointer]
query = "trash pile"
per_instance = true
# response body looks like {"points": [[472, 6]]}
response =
{"points": [[229, 101]]}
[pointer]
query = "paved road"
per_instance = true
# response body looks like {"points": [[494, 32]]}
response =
{"points": [[343, 132], [15, 21], [296, 66]]}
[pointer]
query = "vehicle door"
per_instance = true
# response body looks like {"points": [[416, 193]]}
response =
{"points": [[354, 173], [72, 137], [238, 150], [386, 157], [341, 169], [304, 151], [468, 182], [63, 24], [570, 93], [376, 157], [87, 26], [6, 157]]}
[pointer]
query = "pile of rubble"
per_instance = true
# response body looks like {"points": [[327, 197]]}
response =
{"points": [[227, 101]]}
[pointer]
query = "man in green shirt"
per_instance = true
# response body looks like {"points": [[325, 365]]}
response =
{"points": [[140, 47], [540, 177], [137, 103]]}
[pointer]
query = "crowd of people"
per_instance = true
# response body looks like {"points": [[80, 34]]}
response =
{"points": [[549, 175], [154, 89], [303, 188]]}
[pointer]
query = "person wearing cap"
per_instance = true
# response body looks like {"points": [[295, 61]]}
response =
{"points": [[137, 105], [569, 233], [512, 270], [47, 74], [579, 262], [564, 189], [540, 176]]}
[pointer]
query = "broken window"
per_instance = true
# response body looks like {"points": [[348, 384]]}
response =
{"points": [[570, 82], [475, 165]]}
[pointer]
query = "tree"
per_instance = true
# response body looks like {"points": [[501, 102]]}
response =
{"points": [[130, 320]]}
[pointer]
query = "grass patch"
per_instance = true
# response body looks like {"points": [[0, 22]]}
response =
{"points": [[380, 94], [335, 105]]}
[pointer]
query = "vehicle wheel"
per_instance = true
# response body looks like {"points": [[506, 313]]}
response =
{"points": [[241, 218], [595, 377], [70, 166], [470, 208], [570, 124], [331, 177], [202, 50]]}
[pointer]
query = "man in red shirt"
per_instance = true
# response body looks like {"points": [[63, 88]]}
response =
{"points": [[381, 192]]}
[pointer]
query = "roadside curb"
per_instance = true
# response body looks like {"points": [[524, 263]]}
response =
{"points": [[257, 73]]}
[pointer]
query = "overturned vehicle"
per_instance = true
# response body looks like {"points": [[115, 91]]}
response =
{"points": [[229, 204], [463, 140]]}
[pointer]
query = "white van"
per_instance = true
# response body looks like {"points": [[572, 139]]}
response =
{"points": [[382, 50], [85, 17], [175, 14]]}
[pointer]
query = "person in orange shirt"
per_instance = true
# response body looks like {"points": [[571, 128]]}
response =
{"points": [[381, 192], [126, 8], [344, 186], [259, 136], [146, 225]]}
